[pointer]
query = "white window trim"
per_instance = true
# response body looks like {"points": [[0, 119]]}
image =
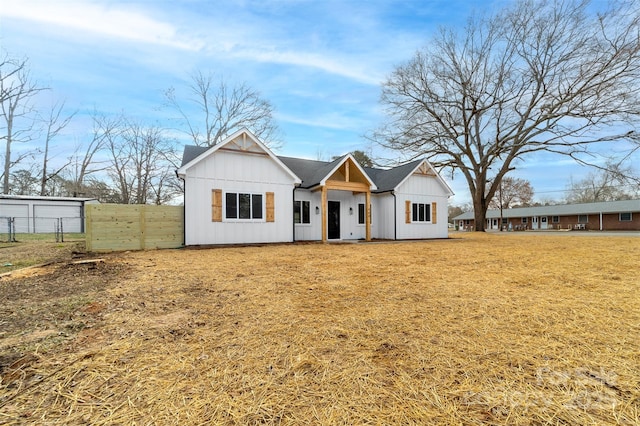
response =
{"points": [[302, 224], [422, 222], [630, 217], [238, 220]]}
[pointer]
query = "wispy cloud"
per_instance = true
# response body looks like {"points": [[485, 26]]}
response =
{"points": [[328, 121], [100, 19], [312, 60]]}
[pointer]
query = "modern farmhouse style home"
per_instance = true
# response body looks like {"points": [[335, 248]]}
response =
{"points": [[239, 192]]}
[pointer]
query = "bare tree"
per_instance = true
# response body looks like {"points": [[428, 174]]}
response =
{"points": [[223, 109], [538, 76], [512, 192], [84, 157], [16, 90], [609, 183], [139, 167], [54, 123]]}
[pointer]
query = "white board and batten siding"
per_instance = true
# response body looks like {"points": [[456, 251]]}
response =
{"points": [[383, 216], [424, 189], [234, 172], [311, 231]]}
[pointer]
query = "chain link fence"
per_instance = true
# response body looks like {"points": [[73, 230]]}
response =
{"points": [[16, 228]]}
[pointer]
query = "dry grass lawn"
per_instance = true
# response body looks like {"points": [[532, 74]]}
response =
{"points": [[478, 329]]}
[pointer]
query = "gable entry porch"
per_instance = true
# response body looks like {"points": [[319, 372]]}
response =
{"points": [[347, 177]]}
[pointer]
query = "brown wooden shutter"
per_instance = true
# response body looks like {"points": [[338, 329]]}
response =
{"points": [[271, 214], [216, 205], [407, 211], [434, 213]]}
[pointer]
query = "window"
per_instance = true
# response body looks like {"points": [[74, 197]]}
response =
{"points": [[583, 218], [555, 219], [626, 217], [243, 206], [525, 219], [301, 212], [362, 214], [421, 212]]}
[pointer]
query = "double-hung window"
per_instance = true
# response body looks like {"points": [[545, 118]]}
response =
{"points": [[243, 206], [301, 212], [421, 212], [625, 217]]}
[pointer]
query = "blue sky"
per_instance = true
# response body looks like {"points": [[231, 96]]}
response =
{"points": [[320, 63]]}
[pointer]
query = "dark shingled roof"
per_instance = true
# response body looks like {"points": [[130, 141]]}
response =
{"points": [[387, 180], [311, 172], [191, 152]]}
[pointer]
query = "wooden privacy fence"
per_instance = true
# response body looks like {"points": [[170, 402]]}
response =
{"points": [[113, 227]]}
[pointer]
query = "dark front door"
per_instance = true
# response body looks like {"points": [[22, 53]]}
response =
{"points": [[333, 218]]}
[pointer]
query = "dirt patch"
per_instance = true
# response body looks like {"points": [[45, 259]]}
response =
{"points": [[478, 330], [19, 255]]}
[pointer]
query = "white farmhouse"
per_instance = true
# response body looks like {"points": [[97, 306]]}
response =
{"points": [[239, 192]]}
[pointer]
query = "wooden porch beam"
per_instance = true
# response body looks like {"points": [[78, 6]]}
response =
{"points": [[323, 208], [347, 186], [367, 218]]}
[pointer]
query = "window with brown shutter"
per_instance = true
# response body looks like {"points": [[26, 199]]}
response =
{"points": [[407, 211], [434, 213], [271, 214], [216, 205]]}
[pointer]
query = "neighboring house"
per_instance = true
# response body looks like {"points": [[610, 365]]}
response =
{"points": [[239, 192], [602, 216], [36, 214]]}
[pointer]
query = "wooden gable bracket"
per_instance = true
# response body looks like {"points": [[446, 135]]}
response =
{"points": [[244, 145], [425, 170]]}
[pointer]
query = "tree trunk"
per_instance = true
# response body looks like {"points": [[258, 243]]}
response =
{"points": [[7, 165], [480, 205]]}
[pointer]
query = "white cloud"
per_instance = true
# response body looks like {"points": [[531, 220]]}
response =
{"points": [[99, 19], [328, 121], [312, 60]]}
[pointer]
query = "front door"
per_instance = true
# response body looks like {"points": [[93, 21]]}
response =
{"points": [[543, 222], [534, 222], [333, 218]]}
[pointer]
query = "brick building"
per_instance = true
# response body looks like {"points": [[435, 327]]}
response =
{"points": [[604, 216]]}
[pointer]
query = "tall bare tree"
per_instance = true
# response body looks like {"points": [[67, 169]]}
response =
{"points": [[139, 166], [16, 121], [221, 109], [54, 123], [512, 192], [538, 76], [609, 183], [84, 158]]}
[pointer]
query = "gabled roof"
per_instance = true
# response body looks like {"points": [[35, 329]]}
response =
{"points": [[191, 152], [625, 206], [390, 179], [194, 154], [312, 173]]}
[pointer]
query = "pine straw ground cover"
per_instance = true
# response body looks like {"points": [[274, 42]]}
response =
{"points": [[477, 329]]}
